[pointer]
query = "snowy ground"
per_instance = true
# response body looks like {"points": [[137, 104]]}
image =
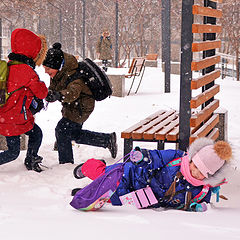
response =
{"points": [[36, 206]]}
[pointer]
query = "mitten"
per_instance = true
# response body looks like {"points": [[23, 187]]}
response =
{"points": [[215, 190], [53, 96], [198, 207], [136, 156]]}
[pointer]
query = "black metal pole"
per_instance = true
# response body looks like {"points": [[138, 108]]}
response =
{"points": [[116, 36], [166, 42], [211, 37], [0, 38], [83, 28], [60, 25], [186, 74]]}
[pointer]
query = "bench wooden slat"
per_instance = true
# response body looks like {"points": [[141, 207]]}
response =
{"points": [[130, 71], [205, 79], [205, 45], [174, 134], [162, 134], [206, 128], [150, 133], [151, 56], [128, 132], [138, 134], [136, 67], [139, 65], [198, 118], [206, 11], [206, 28], [206, 62], [205, 96]]}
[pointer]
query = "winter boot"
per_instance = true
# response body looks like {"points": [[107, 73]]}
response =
{"points": [[55, 148], [32, 163], [112, 146], [105, 69], [77, 173]]}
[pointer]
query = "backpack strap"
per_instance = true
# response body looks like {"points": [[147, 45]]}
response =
{"points": [[14, 62], [75, 76]]}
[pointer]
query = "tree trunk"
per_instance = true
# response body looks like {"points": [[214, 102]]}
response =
{"points": [[237, 63]]}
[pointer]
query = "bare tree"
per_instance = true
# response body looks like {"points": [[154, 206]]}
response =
{"points": [[231, 28]]}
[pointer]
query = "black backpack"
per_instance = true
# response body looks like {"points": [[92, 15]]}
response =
{"points": [[96, 79]]}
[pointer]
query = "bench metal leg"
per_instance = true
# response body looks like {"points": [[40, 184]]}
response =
{"points": [[131, 85], [128, 145], [140, 80], [160, 145]]}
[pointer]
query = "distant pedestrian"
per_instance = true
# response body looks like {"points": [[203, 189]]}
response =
{"points": [[104, 49]]}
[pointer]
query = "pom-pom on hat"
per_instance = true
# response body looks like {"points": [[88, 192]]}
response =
{"points": [[211, 158], [54, 57]]}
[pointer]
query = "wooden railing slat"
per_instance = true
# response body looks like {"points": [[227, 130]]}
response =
{"points": [[205, 96], [206, 62], [205, 45], [206, 28], [217, 1], [198, 118], [205, 79], [206, 11], [206, 128]]}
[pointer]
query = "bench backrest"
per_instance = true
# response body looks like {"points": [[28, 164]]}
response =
{"points": [[197, 118], [152, 56], [136, 66]]}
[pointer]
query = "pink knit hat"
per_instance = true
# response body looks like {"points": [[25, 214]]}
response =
{"points": [[211, 158]]}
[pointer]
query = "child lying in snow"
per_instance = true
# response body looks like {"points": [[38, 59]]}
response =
{"points": [[178, 180]]}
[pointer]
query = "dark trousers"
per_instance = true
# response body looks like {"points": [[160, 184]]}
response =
{"points": [[67, 131], [13, 144]]}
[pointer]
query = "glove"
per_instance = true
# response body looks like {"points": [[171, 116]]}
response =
{"points": [[198, 207], [215, 190], [53, 96]]}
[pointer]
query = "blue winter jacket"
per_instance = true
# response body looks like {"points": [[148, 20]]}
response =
{"points": [[153, 171]]}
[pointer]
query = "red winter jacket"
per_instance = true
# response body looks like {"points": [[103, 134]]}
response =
{"points": [[12, 119]]}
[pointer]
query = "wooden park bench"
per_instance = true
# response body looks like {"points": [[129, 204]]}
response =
{"points": [[152, 56], [136, 69], [197, 116]]}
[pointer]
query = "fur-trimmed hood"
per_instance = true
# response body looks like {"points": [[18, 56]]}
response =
{"points": [[26, 43]]}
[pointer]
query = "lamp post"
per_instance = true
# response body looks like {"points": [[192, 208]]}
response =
{"points": [[166, 42], [60, 21], [83, 28], [116, 36], [0, 38]]}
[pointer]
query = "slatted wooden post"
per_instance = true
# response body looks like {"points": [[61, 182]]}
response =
{"points": [[197, 118]]}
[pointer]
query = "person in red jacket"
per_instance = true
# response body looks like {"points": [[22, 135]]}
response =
{"points": [[28, 50]]}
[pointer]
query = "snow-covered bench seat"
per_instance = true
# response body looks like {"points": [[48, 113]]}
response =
{"points": [[160, 127]]}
